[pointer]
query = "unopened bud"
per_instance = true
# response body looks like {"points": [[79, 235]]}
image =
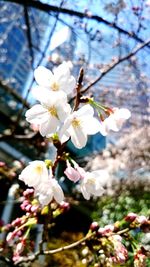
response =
{"points": [[131, 217], [94, 226]]}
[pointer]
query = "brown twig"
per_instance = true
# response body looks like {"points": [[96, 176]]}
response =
{"points": [[34, 256], [111, 67], [78, 89], [49, 8]]}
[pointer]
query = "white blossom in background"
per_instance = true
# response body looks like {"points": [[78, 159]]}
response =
{"points": [[115, 121], [34, 174], [58, 80], [92, 184], [50, 113], [46, 187], [79, 125]]}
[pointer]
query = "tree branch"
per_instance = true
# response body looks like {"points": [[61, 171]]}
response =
{"points": [[78, 89], [111, 67], [28, 31], [48, 8], [34, 256]]}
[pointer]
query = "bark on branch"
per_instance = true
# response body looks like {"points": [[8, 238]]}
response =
{"points": [[49, 8]]}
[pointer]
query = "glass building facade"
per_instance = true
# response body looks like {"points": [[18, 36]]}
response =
{"points": [[19, 55]]}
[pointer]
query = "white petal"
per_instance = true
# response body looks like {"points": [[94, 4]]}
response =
{"points": [[91, 126], [78, 137], [57, 191], [54, 99], [99, 190], [40, 93], [64, 137], [103, 129], [35, 114], [35, 173], [84, 192], [62, 70], [63, 133], [43, 76], [86, 110], [45, 199], [124, 113], [63, 111], [112, 123], [67, 85], [49, 126]]}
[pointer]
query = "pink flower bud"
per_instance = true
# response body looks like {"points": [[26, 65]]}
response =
{"points": [[65, 206], [28, 207], [10, 237], [24, 204], [20, 246], [28, 192], [16, 222], [74, 174], [2, 164], [94, 226], [34, 208], [131, 217], [16, 258], [106, 230], [141, 219]]}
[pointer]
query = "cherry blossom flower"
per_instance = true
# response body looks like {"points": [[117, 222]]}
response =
{"points": [[91, 185], [78, 126], [49, 190], [46, 187], [50, 114], [120, 251], [34, 174], [58, 80], [115, 121], [74, 174]]}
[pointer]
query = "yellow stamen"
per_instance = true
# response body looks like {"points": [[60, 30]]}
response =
{"points": [[75, 122], [54, 86], [52, 110], [39, 169], [91, 181]]}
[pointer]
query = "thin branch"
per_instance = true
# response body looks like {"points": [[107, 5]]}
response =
{"points": [[34, 256], [78, 89], [111, 67], [73, 245], [49, 8], [28, 31]]}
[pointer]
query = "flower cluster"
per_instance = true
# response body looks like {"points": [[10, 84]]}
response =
{"points": [[111, 242], [54, 116], [19, 229]]}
